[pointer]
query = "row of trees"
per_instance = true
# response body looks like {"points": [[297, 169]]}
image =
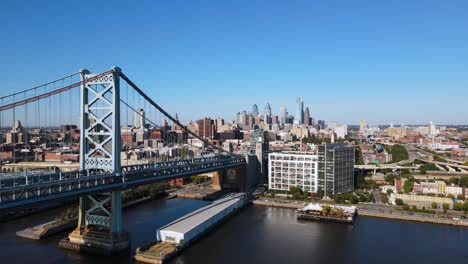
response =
{"points": [[352, 197], [152, 190]]}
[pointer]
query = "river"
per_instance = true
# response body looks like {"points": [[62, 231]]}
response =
{"points": [[258, 235]]}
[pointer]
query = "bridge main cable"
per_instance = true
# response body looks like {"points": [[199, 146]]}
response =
{"points": [[153, 103], [39, 86], [48, 94]]}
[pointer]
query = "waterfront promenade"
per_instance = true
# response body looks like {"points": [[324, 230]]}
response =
{"points": [[370, 210]]}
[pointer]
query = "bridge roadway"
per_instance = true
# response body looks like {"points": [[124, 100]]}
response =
{"points": [[26, 189]]}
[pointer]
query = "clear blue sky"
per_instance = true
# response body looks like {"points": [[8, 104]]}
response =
{"points": [[401, 61]]}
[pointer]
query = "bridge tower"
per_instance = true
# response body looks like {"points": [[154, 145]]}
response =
{"points": [[100, 215]]}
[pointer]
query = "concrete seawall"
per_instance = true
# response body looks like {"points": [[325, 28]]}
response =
{"points": [[280, 205], [369, 213], [414, 218]]}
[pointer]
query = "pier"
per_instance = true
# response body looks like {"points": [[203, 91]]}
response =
{"points": [[177, 235]]}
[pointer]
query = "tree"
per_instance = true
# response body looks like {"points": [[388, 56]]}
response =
{"points": [[389, 191], [458, 206], [434, 205], [464, 181], [399, 202], [408, 186], [326, 210], [406, 207], [452, 180], [445, 207], [461, 197], [390, 178]]}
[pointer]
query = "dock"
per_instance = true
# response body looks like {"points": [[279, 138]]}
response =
{"points": [[175, 236], [327, 213]]}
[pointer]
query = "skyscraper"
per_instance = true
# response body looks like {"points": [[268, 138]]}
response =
{"points": [[254, 110], [299, 118], [267, 109], [282, 116], [307, 117], [335, 168], [139, 121]]}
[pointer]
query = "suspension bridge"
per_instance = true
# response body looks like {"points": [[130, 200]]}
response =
{"points": [[104, 105]]}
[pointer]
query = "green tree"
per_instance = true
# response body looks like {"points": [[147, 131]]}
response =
{"points": [[406, 207], [434, 205], [445, 207], [464, 181], [461, 197], [408, 186], [399, 202]]}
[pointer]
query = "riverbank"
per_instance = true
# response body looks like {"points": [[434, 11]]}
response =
{"points": [[423, 218], [414, 218], [61, 225]]}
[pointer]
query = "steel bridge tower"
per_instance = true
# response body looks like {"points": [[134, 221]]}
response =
{"points": [[100, 215]]}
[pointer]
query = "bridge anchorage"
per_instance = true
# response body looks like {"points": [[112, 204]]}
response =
{"points": [[104, 144]]}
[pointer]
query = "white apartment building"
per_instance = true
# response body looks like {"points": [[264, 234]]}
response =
{"points": [[286, 170]]}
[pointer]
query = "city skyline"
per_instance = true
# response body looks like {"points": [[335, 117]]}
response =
{"points": [[365, 64]]}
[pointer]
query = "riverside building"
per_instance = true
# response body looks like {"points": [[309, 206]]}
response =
{"points": [[330, 171]]}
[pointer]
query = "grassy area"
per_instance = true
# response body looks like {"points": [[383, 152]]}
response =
{"points": [[398, 152]]}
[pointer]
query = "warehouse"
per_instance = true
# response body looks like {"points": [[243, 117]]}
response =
{"points": [[190, 226]]}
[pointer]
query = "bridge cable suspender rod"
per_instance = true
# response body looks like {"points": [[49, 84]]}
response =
{"points": [[39, 86], [48, 94], [168, 115]]}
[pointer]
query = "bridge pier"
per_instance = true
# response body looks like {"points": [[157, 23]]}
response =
{"points": [[100, 228]]}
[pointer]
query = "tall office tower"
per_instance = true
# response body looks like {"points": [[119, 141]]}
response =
{"points": [[139, 121], [432, 129], [335, 168], [321, 124], [362, 125], [219, 123], [307, 118], [299, 118], [282, 116], [254, 110], [243, 119], [267, 110]]}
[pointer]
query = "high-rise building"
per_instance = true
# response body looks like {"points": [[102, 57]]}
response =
{"points": [[432, 129], [307, 119], [219, 123], [205, 128], [254, 110], [321, 124], [335, 168], [139, 121], [286, 170], [282, 116], [267, 109], [362, 125], [299, 118]]}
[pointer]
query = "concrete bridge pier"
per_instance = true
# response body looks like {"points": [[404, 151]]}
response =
{"points": [[100, 228]]}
